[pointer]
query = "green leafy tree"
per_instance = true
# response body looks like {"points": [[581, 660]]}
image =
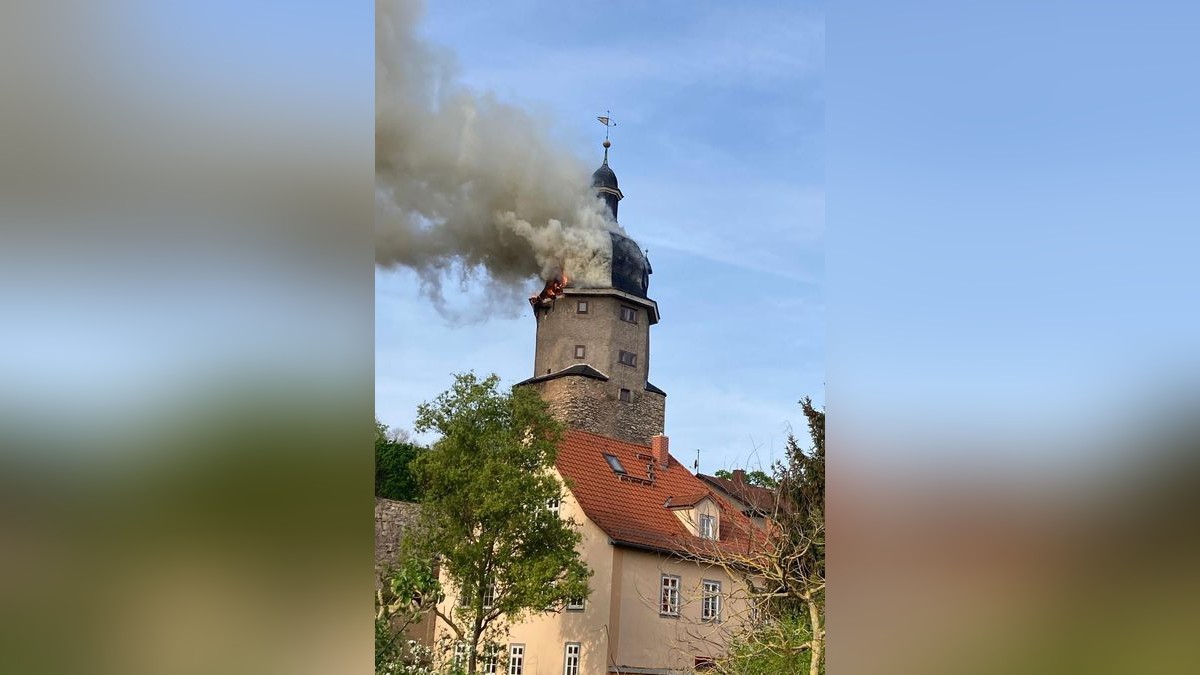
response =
{"points": [[394, 455], [486, 526], [756, 477]]}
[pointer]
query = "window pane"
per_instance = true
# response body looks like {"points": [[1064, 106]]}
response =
{"points": [[614, 463], [516, 660]]}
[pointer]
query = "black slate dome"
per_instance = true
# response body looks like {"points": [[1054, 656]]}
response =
{"points": [[604, 182], [604, 177], [630, 269]]}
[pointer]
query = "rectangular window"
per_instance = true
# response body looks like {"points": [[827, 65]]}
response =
{"points": [[571, 659], [460, 654], [627, 358], [516, 660], [626, 396], [489, 596], [669, 604], [629, 314], [491, 662], [708, 527], [581, 307], [710, 606], [553, 506], [463, 601], [575, 604], [580, 350], [614, 463]]}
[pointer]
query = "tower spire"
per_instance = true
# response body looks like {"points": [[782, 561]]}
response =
{"points": [[607, 120], [604, 181]]}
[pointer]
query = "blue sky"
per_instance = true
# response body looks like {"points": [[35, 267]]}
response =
{"points": [[719, 147], [1016, 228]]}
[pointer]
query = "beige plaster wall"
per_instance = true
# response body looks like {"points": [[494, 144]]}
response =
{"points": [[647, 640], [620, 624], [545, 635]]}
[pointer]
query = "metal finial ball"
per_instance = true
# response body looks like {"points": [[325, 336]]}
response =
{"points": [[606, 143]]}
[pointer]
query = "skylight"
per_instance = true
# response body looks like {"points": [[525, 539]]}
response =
{"points": [[614, 463]]}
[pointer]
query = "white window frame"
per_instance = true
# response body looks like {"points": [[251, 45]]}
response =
{"points": [[668, 596], [707, 526], [554, 506], [491, 661], [489, 596], [516, 659], [710, 603], [460, 654], [569, 667], [574, 606]]}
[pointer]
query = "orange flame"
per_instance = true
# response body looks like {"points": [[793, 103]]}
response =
{"points": [[553, 289]]}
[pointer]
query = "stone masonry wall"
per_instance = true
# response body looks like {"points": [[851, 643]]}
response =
{"points": [[392, 519], [595, 406]]}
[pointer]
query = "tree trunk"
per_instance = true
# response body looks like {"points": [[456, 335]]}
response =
{"points": [[476, 631], [818, 638]]}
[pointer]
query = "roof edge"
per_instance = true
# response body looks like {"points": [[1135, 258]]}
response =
{"points": [[578, 370]]}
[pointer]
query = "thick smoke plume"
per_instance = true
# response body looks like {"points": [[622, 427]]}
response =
{"points": [[464, 183]]}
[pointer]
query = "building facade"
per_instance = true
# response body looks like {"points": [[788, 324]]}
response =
{"points": [[655, 606]]}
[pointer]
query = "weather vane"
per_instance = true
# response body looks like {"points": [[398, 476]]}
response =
{"points": [[608, 123]]}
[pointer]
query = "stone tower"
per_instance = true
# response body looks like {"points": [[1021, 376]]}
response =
{"points": [[592, 357]]}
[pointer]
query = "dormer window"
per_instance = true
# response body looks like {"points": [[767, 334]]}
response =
{"points": [[615, 464], [698, 513]]}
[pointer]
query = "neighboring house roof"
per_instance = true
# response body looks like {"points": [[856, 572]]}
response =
{"points": [[631, 509], [758, 501]]}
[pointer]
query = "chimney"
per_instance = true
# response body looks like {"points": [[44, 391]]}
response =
{"points": [[658, 448], [739, 475]]}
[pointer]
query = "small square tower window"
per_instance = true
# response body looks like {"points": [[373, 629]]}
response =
{"points": [[626, 396], [627, 358], [629, 314], [580, 350], [581, 307]]}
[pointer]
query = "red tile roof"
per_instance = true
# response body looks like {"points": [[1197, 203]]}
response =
{"points": [[759, 499], [631, 509], [674, 502]]}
